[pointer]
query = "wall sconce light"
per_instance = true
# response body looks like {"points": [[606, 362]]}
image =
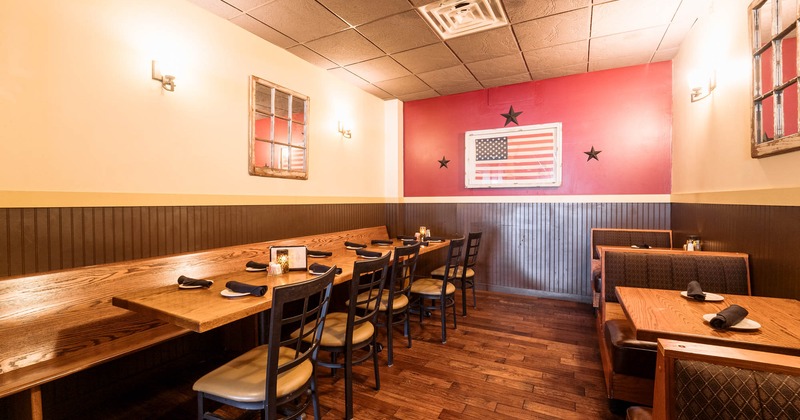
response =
{"points": [[702, 84], [167, 80], [344, 131]]}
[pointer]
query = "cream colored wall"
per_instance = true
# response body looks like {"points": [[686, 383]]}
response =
{"points": [[711, 138], [84, 124]]}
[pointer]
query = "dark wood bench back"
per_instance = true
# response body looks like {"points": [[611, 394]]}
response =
{"points": [[627, 237], [717, 272]]}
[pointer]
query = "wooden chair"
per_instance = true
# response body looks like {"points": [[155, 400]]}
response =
{"points": [[440, 290], [465, 272], [280, 372], [394, 303], [354, 330], [705, 381]]}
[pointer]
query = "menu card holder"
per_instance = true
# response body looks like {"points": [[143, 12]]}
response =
{"points": [[297, 256]]}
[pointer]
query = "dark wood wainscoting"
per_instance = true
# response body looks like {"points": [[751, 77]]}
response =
{"points": [[530, 248], [770, 234], [41, 239]]}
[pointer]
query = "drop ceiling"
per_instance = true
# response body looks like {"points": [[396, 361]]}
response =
{"points": [[388, 48]]}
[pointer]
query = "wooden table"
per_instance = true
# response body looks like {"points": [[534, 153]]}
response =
{"points": [[657, 313], [201, 309]]}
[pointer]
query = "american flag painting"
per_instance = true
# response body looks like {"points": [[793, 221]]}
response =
{"points": [[525, 156]]}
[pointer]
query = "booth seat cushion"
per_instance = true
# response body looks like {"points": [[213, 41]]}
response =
{"points": [[639, 413], [629, 355]]}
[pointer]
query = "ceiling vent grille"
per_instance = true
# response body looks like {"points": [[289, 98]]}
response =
{"points": [[453, 18]]}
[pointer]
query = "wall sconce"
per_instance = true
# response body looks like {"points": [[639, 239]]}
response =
{"points": [[344, 131], [702, 84], [167, 81]]}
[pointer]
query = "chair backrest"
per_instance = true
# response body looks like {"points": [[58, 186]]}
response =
{"points": [[471, 257], [403, 268], [454, 252], [705, 381], [302, 305], [366, 289], [656, 238]]}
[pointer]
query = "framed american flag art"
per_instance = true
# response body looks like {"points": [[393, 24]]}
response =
{"points": [[526, 156]]}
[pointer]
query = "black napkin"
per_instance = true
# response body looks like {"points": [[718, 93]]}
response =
{"points": [[406, 237], [382, 242], [237, 287], [368, 254], [694, 291], [728, 317], [188, 281], [434, 239], [319, 253], [257, 266], [354, 245], [322, 269], [641, 246]]}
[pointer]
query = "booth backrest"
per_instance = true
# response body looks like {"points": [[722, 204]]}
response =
{"points": [[627, 237]]}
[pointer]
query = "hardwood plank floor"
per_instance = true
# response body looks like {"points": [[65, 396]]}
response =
{"points": [[512, 357]]}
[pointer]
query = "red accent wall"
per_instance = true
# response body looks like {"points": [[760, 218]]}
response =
{"points": [[626, 113]]}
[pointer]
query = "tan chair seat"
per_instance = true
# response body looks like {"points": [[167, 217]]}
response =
{"points": [[335, 327], [439, 272], [400, 302], [428, 286], [244, 378]]}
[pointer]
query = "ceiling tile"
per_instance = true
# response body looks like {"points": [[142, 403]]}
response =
{"points": [[345, 48], [251, 24], [558, 55], [431, 57], [664, 55], [246, 5], [306, 54], [553, 30], [675, 33], [691, 10], [640, 43], [218, 7], [378, 69], [350, 77], [447, 78], [419, 95], [522, 10], [377, 92], [541, 74], [484, 45], [498, 67], [630, 15], [302, 20], [460, 88], [617, 62], [363, 11], [403, 86], [508, 80], [400, 32]]}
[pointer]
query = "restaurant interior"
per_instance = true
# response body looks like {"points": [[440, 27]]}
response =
{"points": [[146, 140]]}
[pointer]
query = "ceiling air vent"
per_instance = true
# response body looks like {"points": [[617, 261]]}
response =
{"points": [[452, 18]]}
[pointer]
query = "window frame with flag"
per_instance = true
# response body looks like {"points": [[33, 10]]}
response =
{"points": [[513, 157]]}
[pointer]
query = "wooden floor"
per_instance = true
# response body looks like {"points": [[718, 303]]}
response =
{"points": [[512, 357]]}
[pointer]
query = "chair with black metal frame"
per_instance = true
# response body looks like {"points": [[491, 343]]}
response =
{"points": [[465, 272], [282, 373], [440, 290], [394, 304], [354, 330]]}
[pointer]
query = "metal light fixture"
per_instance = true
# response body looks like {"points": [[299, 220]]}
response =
{"points": [[702, 84], [167, 80], [344, 131]]}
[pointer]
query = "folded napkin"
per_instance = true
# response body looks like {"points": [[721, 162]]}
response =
{"points": [[237, 287], [322, 269], [319, 253], [368, 254], [641, 246], [354, 245], [694, 291], [728, 317], [382, 242], [406, 237], [434, 239], [188, 281], [257, 266]]}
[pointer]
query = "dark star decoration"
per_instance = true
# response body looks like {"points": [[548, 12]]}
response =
{"points": [[511, 116], [593, 154], [443, 163]]}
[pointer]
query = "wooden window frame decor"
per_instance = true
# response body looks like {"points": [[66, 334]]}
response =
{"points": [[513, 157], [774, 107], [278, 132]]}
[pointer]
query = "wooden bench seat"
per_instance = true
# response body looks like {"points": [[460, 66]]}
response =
{"points": [[628, 363], [58, 323]]}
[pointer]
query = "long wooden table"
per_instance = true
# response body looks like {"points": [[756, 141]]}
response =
{"points": [[202, 309], [657, 313]]}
